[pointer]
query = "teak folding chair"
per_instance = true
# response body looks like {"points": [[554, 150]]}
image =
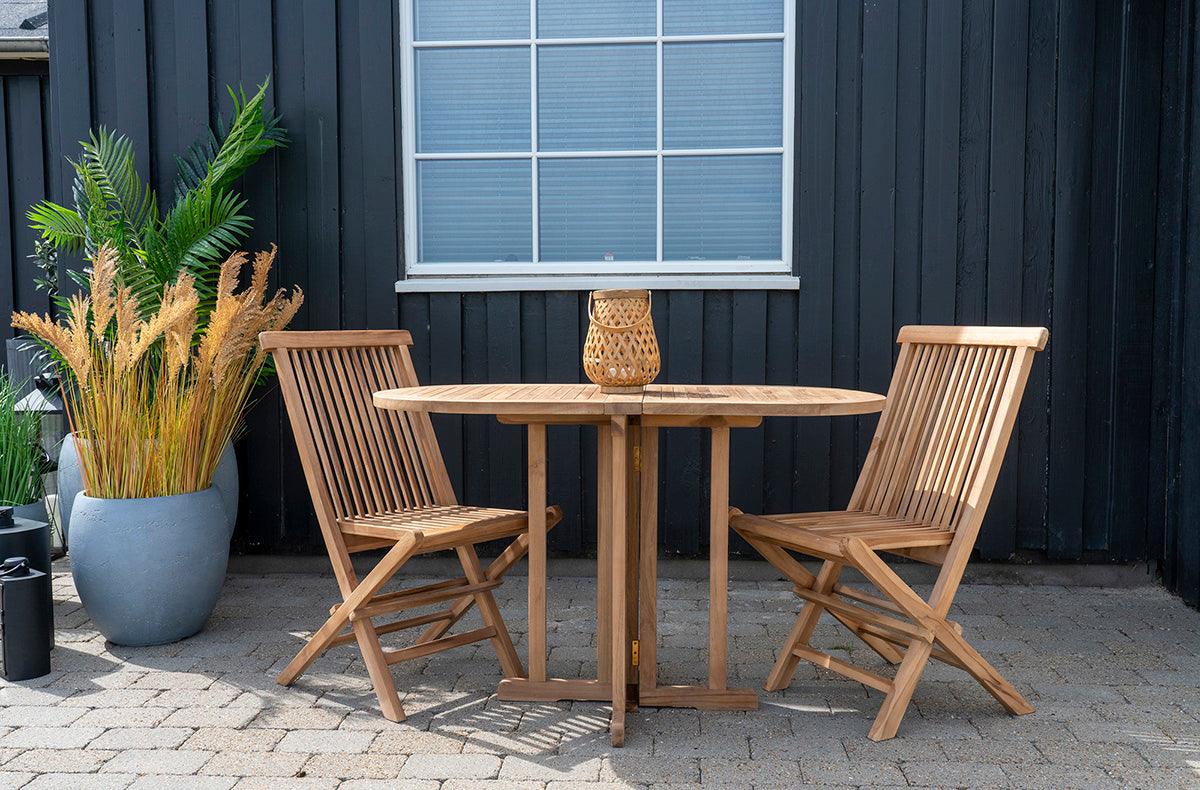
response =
{"points": [[922, 493], [377, 480]]}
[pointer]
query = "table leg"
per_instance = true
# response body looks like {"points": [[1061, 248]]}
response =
{"points": [[715, 695], [538, 687], [633, 532], [718, 561], [648, 594], [537, 553], [617, 437], [603, 555]]}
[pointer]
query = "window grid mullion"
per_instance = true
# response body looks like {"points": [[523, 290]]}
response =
{"points": [[605, 153], [533, 133], [582, 41], [658, 204]]}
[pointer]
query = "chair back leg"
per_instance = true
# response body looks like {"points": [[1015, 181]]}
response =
{"points": [[510, 663]]}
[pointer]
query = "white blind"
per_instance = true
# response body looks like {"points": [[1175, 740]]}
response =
{"points": [[518, 131], [722, 207], [600, 209], [460, 20], [472, 99], [723, 95], [597, 97], [595, 18], [474, 210], [695, 17]]}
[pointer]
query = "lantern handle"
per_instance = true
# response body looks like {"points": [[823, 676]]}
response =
{"points": [[627, 327]]}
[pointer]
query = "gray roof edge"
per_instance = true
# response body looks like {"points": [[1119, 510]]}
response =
{"points": [[14, 47]]}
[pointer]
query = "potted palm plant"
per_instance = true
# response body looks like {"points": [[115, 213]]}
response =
{"points": [[115, 207], [153, 407]]}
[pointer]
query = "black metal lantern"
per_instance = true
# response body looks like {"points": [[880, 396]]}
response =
{"points": [[23, 537], [25, 622]]}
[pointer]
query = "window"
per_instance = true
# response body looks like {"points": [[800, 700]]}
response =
{"points": [[647, 137]]}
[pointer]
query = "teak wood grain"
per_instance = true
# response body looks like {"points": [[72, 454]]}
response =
{"points": [[922, 492], [377, 479]]}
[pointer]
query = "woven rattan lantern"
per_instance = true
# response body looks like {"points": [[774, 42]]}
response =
{"points": [[620, 352]]}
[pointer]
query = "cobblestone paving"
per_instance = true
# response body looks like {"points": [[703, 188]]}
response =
{"points": [[1114, 674]]}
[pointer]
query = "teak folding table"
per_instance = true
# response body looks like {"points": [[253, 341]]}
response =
{"points": [[627, 472]]}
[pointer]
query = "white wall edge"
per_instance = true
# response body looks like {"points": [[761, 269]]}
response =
{"points": [[707, 282]]}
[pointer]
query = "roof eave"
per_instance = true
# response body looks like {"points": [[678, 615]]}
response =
{"points": [[28, 48]]}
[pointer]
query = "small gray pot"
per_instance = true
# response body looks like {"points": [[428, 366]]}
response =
{"points": [[70, 483], [225, 480], [149, 571], [34, 511]]}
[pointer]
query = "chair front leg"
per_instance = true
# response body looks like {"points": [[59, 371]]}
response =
{"points": [[799, 576], [785, 665], [319, 642], [364, 631]]}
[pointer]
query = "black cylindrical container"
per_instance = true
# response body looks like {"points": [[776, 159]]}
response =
{"points": [[25, 623], [23, 537]]}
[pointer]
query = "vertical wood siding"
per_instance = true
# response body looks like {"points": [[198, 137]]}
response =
{"points": [[1175, 383], [24, 123], [956, 162]]}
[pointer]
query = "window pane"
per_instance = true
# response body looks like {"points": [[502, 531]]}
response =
{"points": [[725, 208], [591, 209], [693, 17], [460, 20], [475, 211], [573, 19], [723, 95], [474, 99], [598, 97]]}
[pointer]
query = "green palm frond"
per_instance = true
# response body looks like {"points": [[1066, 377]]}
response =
{"points": [[61, 226], [223, 156], [108, 162], [200, 229]]}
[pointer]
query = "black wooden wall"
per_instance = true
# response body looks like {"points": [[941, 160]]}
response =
{"points": [[984, 161], [24, 169], [1176, 386]]}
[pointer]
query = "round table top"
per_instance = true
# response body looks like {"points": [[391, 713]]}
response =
{"points": [[586, 400]]}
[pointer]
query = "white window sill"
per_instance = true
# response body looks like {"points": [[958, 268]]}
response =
{"points": [[658, 282]]}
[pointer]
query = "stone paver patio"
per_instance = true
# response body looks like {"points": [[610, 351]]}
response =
{"points": [[1114, 673]]}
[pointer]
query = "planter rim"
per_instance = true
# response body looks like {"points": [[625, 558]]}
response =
{"points": [[144, 498]]}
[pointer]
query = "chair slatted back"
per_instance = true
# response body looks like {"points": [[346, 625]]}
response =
{"points": [[950, 410], [359, 460]]}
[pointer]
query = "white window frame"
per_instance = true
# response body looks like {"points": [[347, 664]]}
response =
{"points": [[715, 273]]}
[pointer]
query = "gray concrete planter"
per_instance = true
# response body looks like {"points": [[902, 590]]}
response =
{"points": [[70, 483], [149, 571]]}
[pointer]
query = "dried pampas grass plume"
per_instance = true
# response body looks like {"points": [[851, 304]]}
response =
{"points": [[155, 404]]}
